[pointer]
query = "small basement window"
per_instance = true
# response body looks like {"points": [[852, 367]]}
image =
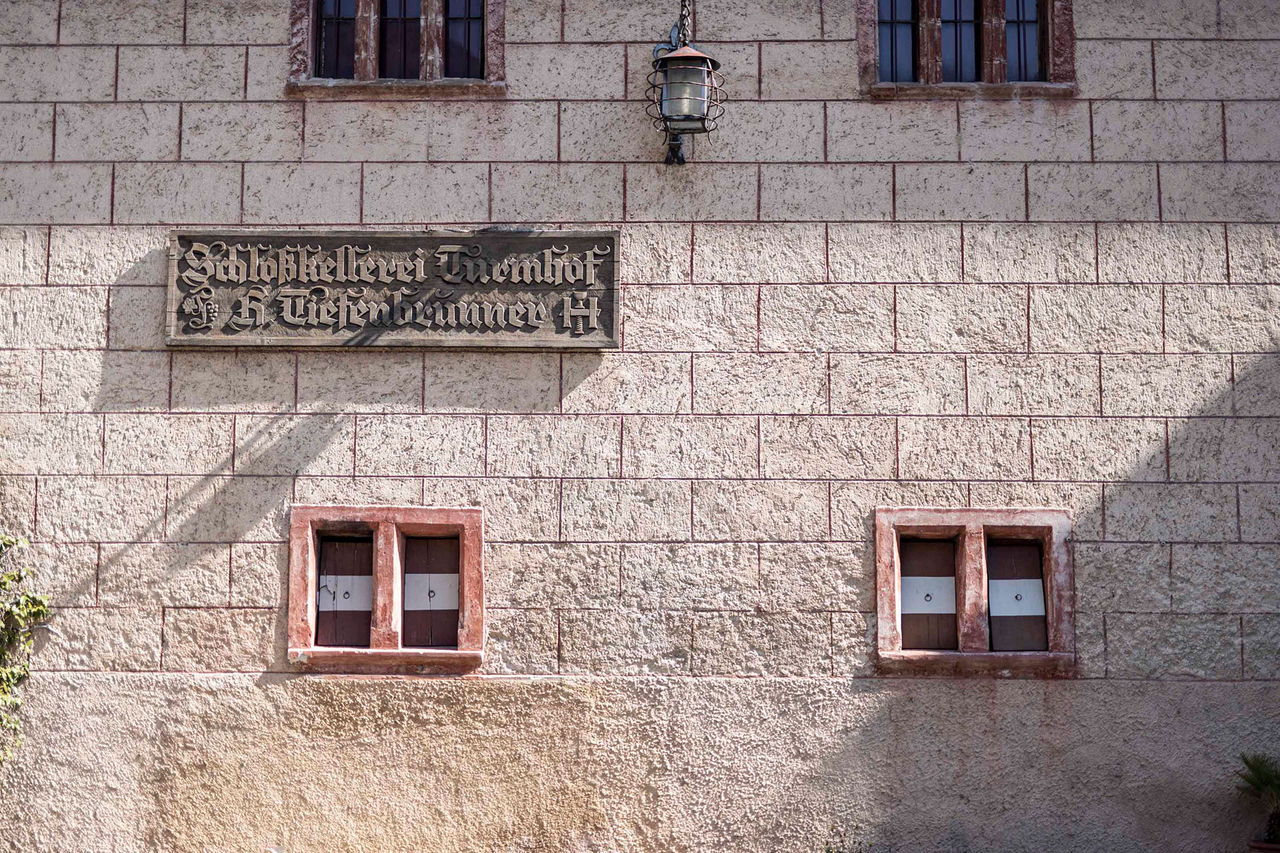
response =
{"points": [[386, 589], [974, 591]]}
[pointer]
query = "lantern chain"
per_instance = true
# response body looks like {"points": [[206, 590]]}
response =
{"points": [[686, 12]]}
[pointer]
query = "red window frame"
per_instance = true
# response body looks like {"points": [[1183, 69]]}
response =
{"points": [[971, 528], [389, 526]]}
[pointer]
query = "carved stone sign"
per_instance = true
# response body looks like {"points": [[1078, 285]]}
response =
{"points": [[531, 289]]}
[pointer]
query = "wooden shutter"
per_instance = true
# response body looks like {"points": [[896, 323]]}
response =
{"points": [[431, 591], [1015, 597], [928, 593], [344, 593]]}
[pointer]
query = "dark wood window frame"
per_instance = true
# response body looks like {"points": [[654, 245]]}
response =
{"points": [[432, 82], [1058, 46], [388, 527], [971, 528]]}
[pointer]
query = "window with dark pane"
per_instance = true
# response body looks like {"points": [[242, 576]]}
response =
{"points": [[344, 591], [928, 594], [1022, 40], [961, 26], [897, 36], [399, 38], [1015, 597], [464, 38], [431, 591], [336, 38]]}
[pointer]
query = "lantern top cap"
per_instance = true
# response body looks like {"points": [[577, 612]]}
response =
{"points": [[687, 52]]}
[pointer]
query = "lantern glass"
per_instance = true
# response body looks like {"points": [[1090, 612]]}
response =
{"points": [[685, 94]]}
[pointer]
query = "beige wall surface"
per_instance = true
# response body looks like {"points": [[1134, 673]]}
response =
{"points": [[838, 304]]}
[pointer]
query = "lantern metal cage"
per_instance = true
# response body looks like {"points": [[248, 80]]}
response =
{"points": [[686, 89]]}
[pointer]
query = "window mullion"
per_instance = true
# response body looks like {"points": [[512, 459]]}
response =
{"points": [[971, 581], [432, 54], [995, 65], [929, 41], [388, 594], [366, 60]]}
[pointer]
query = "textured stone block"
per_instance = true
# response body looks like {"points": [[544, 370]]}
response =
{"points": [[826, 317], [1249, 19], [492, 382], [700, 192], [656, 643], [237, 22], [770, 20], [1151, 130], [53, 317], [388, 130], [961, 191], [243, 131], [596, 21], [1114, 69], [520, 642], [759, 253], [268, 70], [104, 381], [575, 192], [294, 444], [51, 444], [1221, 192], [1255, 252], [223, 640], [827, 192], [1083, 500], [409, 445], [1226, 578], [259, 575], [962, 318], [68, 574], [810, 576], [1174, 385], [853, 504], [28, 24], [20, 380], [1221, 319], [239, 381], [1162, 253], [1262, 646], [55, 192], [892, 130], [1096, 318], [894, 252], [897, 384], [534, 71], [853, 644], [166, 575], [177, 193], [18, 505], [1173, 646], [108, 255], [125, 22], [1259, 512], [688, 318], [24, 254], [1178, 512], [808, 70], [360, 382], [181, 73], [1146, 19], [964, 448], [1099, 449], [1091, 645], [760, 511], [1236, 70], [563, 574], [533, 20], [1033, 385], [118, 131], [1257, 384], [767, 132], [656, 253], [1104, 191], [554, 446], [1026, 253], [301, 192], [827, 447], [775, 644], [656, 383], [110, 509], [626, 510], [1122, 577], [491, 131], [426, 192], [515, 510], [359, 491], [615, 131], [167, 444], [228, 509], [749, 383], [57, 73], [690, 576], [1024, 130], [1222, 449], [26, 131], [108, 638], [136, 318], [683, 446]]}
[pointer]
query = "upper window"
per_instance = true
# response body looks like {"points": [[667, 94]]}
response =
{"points": [[974, 591], [362, 42], [1021, 46]]}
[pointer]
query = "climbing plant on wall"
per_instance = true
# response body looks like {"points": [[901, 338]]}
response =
{"points": [[20, 611]]}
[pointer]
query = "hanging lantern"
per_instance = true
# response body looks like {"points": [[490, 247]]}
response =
{"points": [[684, 92]]}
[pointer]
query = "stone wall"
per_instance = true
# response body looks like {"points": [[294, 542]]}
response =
{"points": [[838, 304]]}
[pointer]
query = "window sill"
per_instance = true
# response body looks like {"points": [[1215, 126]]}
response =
{"points": [[445, 88], [975, 91], [398, 661], [994, 664]]}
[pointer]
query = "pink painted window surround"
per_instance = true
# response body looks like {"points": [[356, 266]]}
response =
{"points": [[394, 597], [981, 625]]}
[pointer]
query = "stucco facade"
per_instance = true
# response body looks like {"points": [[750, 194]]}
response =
{"points": [[840, 303]]}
